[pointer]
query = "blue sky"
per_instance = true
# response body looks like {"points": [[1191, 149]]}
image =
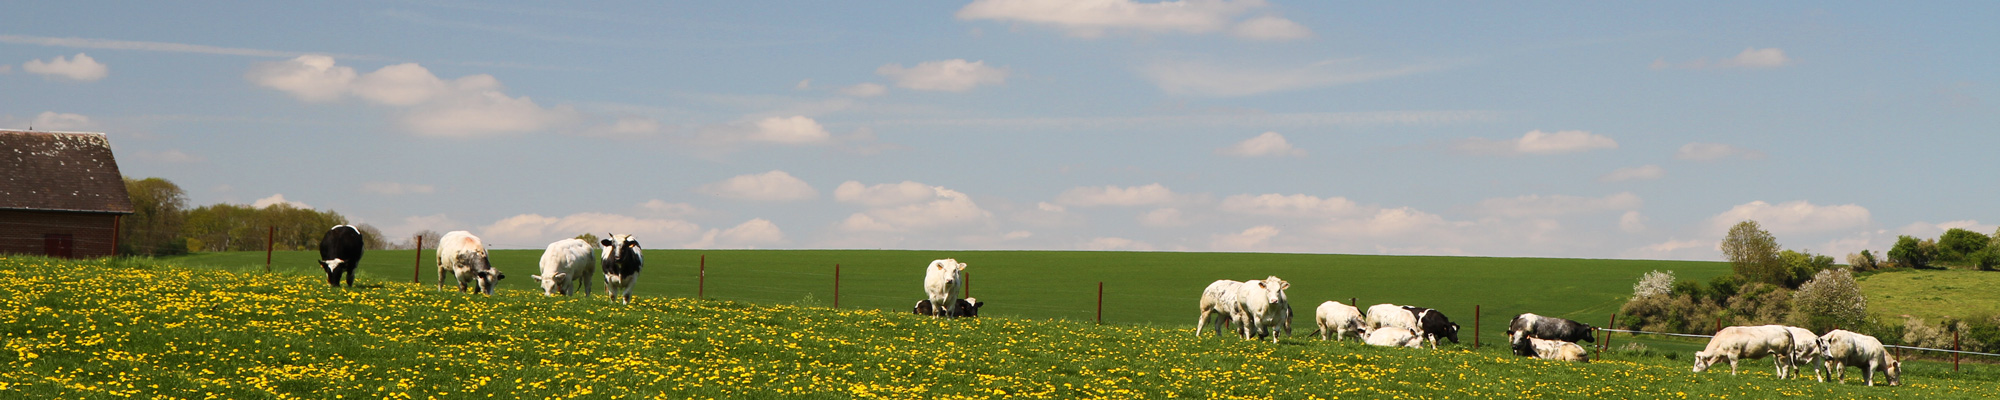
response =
{"points": [[1563, 129]]}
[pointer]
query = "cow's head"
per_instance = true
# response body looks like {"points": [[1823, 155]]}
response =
{"points": [[618, 248], [950, 269], [1589, 333], [1452, 333], [923, 308], [553, 284], [969, 307], [1895, 372], [332, 268], [1701, 360], [487, 277]]}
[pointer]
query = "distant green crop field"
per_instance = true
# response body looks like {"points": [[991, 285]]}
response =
{"points": [[1157, 288], [1931, 294], [139, 328]]}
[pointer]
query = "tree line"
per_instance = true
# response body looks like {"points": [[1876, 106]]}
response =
{"points": [[162, 223]]}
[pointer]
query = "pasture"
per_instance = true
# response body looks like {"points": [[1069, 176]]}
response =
{"points": [[1932, 294], [119, 328]]}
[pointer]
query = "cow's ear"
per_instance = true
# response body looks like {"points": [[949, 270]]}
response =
{"points": [[560, 275], [537, 278], [1284, 285], [604, 242], [483, 274], [633, 243]]}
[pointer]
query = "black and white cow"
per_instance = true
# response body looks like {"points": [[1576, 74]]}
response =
{"points": [[339, 253], [966, 307], [622, 261], [1432, 325], [1545, 328]]}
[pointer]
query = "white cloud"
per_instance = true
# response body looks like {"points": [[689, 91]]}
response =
{"points": [[1639, 173], [1047, 215], [954, 75], [1385, 223], [307, 77], [396, 188], [1676, 249], [80, 68], [1270, 28], [792, 130], [276, 199], [1290, 206], [1162, 218], [55, 121], [407, 84], [1790, 217], [946, 208], [1537, 142], [662, 208], [883, 195], [1698, 151], [748, 235], [1268, 144], [170, 156], [1256, 238], [86, 43], [1556, 205], [467, 106], [1116, 196], [409, 227], [1201, 78], [804, 84], [1750, 58], [865, 90], [1930, 230], [774, 186], [1095, 18], [1632, 222], [1114, 244], [534, 231]]}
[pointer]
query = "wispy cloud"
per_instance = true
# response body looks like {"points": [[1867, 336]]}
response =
{"points": [[1236, 120], [1202, 78], [88, 43]]}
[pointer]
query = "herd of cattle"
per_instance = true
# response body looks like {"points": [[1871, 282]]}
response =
{"points": [[1258, 308]]}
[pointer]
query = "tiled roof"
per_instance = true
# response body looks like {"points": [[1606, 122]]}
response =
{"points": [[66, 171]]}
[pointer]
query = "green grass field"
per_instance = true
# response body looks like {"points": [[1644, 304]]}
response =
{"points": [[1932, 294], [1139, 288], [138, 328]]}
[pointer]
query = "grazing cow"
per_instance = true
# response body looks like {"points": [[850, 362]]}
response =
{"points": [[1806, 350], [1338, 320], [1747, 342], [1844, 349], [339, 253], [1218, 300], [1261, 309], [623, 258], [1557, 350], [1550, 328], [1390, 316], [941, 280], [966, 307], [1393, 337], [1433, 325], [464, 256], [566, 264]]}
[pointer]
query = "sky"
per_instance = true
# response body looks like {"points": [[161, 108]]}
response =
{"points": [[1551, 129]]}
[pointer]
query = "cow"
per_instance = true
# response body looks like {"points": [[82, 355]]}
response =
{"points": [[1393, 337], [941, 280], [1549, 328], [1747, 342], [1556, 350], [1432, 325], [1807, 348], [966, 307], [566, 265], [622, 260], [1844, 349], [339, 252], [1261, 308], [1338, 320], [1218, 300], [1390, 316], [464, 257]]}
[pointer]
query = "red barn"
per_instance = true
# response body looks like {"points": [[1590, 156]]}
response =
{"points": [[60, 194]]}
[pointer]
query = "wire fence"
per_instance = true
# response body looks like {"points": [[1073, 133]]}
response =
{"points": [[1954, 360]]}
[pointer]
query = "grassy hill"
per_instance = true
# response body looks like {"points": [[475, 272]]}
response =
{"points": [[103, 329], [1933, 294]]}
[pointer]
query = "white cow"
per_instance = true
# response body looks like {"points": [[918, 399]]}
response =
{"points": [[1338, 320], [1262, 307], [1748, 342], [566, 265], [1218, 301], [1844, 348], [1557, 350], [941, 281], [1391, 316], [1393, 337], [1806, 350], [464, 256]]}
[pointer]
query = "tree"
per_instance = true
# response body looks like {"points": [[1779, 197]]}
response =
{"points": [[371, 238], [1830, 300], [588, 238], [1910, 252], [1753, 253], [430, 238], [1862, 261], [154, 228], [1801, 266], [1653, 284], [1959, 244]]}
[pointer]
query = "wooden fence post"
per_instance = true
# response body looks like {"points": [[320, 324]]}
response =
{"points": [[1100, 302], [1475, 327], [701, 280], [417, 269], [270, 243], [967, 276], [1352, 302], [1607, 335], [1954, 347], [836, 286]]}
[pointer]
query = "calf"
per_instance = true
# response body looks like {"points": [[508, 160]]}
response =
{"points": [[623, 258], [941, 280], [966, 307], [1844, 349], [1747, 342], [1218, 300], [1433, 325], [1393, 337], [1390, 316], [1338, 320], [566, 264], [1549, 328], [463, 256], [339, 252], [1557, 350]]}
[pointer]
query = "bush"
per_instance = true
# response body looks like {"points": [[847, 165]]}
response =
{"points": [[1831, 299], [1862, 261], [1653, 284], [1960, 245], [1912, 253], [1801, 266]]}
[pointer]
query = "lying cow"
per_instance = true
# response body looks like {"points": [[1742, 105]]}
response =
{"points": [[622, 260], [966, 307], [1549, 328], [339, 252], [1807, 349], [1844, 349], [1217, 302], [1393, 337], [1338, 320], [941, 280], [566, 264], [1747, 342], [1432, 325], [464, 256], [1555, 349], [1390, 316]]}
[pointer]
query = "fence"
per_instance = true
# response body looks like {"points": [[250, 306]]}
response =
{"points": [[1954, 340]]}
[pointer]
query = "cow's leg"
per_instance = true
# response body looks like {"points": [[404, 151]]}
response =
{"points": [[1868, 373], [1201, 322], [440, 278], [1732, 364], [350, 277]]}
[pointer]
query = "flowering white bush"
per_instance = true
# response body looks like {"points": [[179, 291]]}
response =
{"points": [[1831, 298], [1653, 283]]}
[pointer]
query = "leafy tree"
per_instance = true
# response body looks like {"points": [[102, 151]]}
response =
{"points": [[1753, 254], [1959, 244], [1830, 300], [158, 209], [372, 238], [588, 238], [1801, 266], [1910, 252]]}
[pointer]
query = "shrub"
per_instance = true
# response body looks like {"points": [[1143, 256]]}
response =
{"points": [[1831, 299], [1801, 266], [1960, 244], [1653, 284], [1912, 253]]}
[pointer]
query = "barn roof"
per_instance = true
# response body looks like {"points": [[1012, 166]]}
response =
{"points": [[61, 171]]}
